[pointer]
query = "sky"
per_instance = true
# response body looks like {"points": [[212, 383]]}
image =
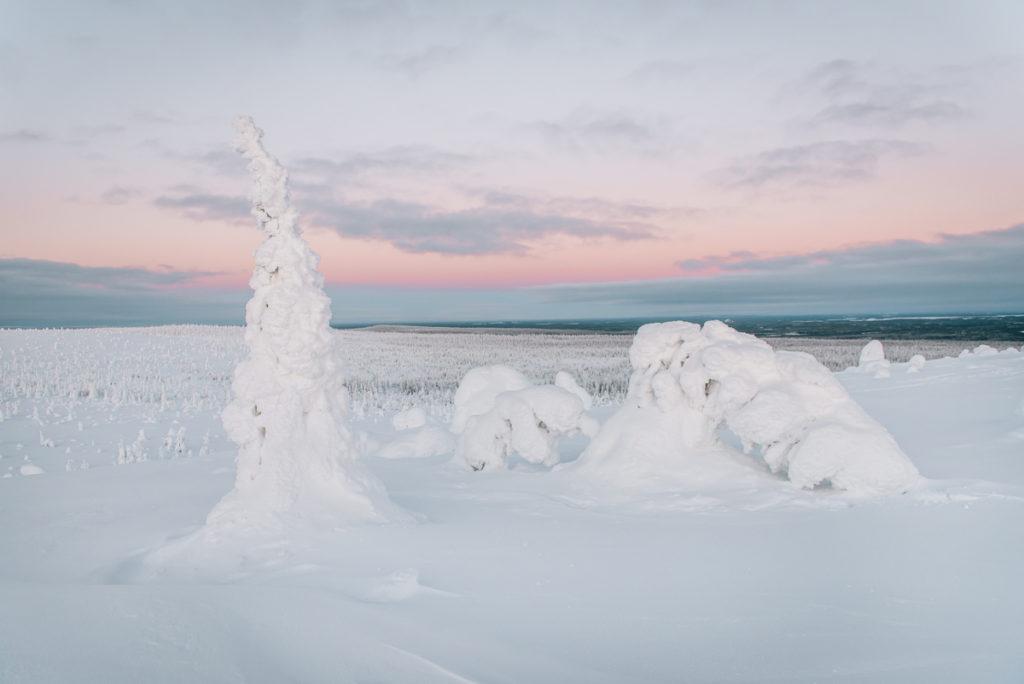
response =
{"points": [[469, 161]]}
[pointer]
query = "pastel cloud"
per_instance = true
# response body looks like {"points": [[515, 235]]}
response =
{"points": [[502, 223], [482, 230], [815, 164], [38, 292], [956, 274], [858, 95], [198, 205], [978, 272], [608, 133]]}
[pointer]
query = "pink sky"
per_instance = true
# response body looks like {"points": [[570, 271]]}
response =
{"points": [[507, 146]]}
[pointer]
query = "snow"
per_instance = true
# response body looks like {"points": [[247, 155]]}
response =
{"points": [[479, 390], [288, 415], [525, 574], [872, 360], [409, 419], [689, 382], [528, 422]]}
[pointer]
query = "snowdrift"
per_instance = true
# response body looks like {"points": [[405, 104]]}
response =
{"points": [[691, 383]]}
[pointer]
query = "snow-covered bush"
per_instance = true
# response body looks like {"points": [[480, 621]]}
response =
{"points": [[872, 360], [499, 413], [916, 363], [288, 417], [134, 452], [480, 388], [690, 381]]}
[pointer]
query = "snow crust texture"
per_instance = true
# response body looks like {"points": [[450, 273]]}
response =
{"points": [[288, 415], [689, 382], [499, 413]]}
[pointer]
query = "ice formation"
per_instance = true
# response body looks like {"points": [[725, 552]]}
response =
{"points": [[500, 413], [288, 415], [689, 381]]}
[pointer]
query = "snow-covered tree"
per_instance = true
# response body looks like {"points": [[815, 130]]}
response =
{"points": [[690, 381], [499, 412], [296, 452]]}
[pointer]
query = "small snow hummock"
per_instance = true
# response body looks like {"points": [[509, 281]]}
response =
{"points": [[409, 419], [916, 363], [500, 413], [689, 381], [289, 413], [872, 360]]}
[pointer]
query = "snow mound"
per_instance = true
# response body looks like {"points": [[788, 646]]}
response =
{"points": [[688, 382], [916, 363], [872, 360], [497, 416], [422, 442], [985, 350], [409, 419], [288, 416], [479, 390]]}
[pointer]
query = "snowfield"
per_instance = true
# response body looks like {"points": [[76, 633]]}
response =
{"points": [[541, 569]]}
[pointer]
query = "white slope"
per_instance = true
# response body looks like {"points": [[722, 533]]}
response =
{"points": [[508, 576]]}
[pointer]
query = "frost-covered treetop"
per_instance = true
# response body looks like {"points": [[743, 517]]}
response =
{"points": [[288, 318], [271, 201]]}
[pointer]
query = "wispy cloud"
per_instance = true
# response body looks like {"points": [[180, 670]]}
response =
{"points": [[661, 71], [816, 164], [608, 133], [499, 223], [417, 63], [642, 216], [25, 135], [487, 229], [859, 94], [89, 133], [40, 292], [47, 275], [977, 272], [402, 159], [121, 195], [198, 205]]}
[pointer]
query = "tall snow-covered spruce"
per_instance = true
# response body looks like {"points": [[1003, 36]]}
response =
{"points": [[296, 453]]}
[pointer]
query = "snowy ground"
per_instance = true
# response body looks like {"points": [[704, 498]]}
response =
{"points": [[112, 447]]}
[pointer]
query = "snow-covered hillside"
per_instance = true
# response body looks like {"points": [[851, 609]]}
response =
{"points": [[111, 448]]}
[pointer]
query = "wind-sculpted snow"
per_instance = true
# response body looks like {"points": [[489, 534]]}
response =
{"points": [[288, 417], [689, 382], [500, 414]]}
